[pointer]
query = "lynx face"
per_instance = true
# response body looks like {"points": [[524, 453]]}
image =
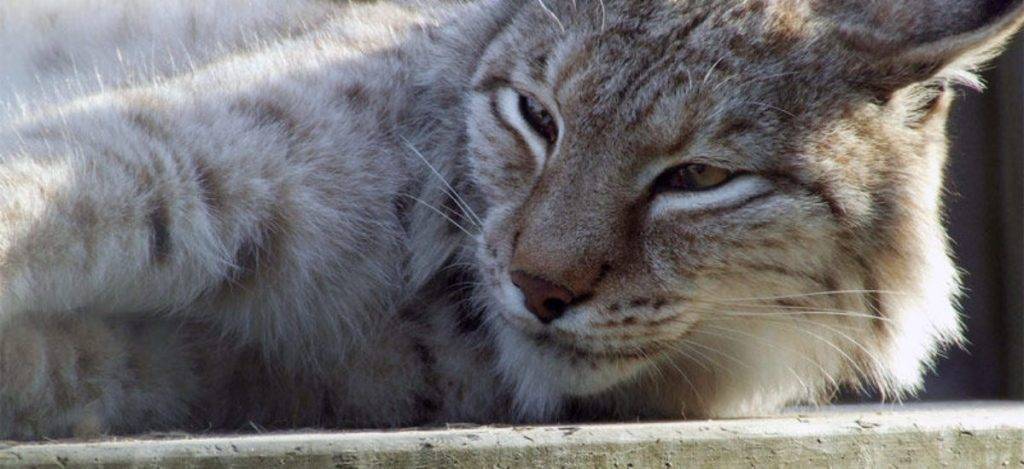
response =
{"points": [[734, 193]]}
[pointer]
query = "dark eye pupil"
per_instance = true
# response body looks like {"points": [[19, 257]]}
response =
{"points": [[538, 118], [691, 177]]}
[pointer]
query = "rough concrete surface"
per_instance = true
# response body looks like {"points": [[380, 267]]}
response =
{"points": [[986, 434]]}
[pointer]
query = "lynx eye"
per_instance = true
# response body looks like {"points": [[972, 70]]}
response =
{"points": [[691, 178], [539, 118]]}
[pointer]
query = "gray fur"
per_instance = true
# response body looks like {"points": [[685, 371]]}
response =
{"points": [[315, 227]]}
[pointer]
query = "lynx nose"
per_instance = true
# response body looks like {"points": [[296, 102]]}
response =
{"points": [[545, 299]]}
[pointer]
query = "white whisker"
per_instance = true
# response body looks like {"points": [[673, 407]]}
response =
{"points": [[720, 353], [842, 353], [775, 346], [821, 313], [789, 368], [446, 217], [769, 317], [711, 71], [702, 364], [815, 294], [453, 193], [552, 15], [689, 382], [772, 107], [796, 313]]}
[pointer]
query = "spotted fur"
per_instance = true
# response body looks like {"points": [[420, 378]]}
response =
{"points": [[306, 214]]}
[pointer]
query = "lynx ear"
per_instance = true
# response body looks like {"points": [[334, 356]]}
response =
{"points": [[903, 42]]}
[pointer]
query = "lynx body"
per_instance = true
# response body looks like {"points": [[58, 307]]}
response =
{"points": [[228, 214]]}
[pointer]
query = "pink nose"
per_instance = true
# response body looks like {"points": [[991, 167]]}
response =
{"points": [[546, 300]]}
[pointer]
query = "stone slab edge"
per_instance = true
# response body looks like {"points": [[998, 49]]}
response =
{"points": [[979, 435]]}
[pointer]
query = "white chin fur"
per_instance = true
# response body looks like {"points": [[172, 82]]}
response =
{"points": [[542, 380]]}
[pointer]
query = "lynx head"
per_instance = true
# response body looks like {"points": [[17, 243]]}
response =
{"points": [[720, 207]]}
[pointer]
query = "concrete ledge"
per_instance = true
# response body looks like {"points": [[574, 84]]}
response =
{"points": [[967, 435]]}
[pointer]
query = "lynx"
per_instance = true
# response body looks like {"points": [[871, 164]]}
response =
{"points": [[219, 215]]}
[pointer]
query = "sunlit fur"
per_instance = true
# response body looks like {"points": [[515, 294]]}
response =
{"points": [[242, 215]]}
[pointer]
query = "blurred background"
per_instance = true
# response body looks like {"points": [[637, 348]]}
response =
{"points": [[985, 207]]}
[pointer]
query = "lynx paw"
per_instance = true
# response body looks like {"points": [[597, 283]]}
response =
{"points": [[54, 375]]}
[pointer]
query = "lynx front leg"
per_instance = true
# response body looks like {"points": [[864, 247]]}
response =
{"points": [[239, 198], [147, 201], [85, 376], [95, 217]]}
